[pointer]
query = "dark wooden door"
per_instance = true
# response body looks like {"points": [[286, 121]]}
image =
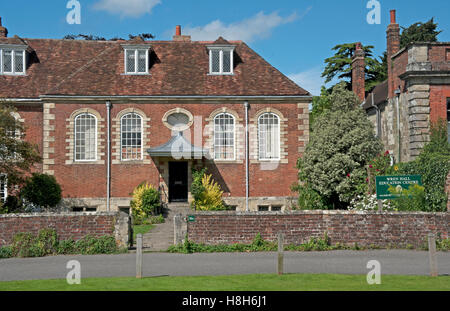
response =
{"points": [[178, 181]]}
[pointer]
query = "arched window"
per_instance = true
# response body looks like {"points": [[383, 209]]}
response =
{"points": [[269, 136], [85, 137], [224, 137], [131, 137]]}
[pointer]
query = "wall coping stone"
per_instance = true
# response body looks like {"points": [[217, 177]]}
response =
{"points": [[312, 212]]}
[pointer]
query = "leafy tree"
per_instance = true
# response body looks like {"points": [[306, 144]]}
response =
{"points": [[419, 32], [320, 104], [342, 142], [42, 190], [17, 156], [340, 65]]}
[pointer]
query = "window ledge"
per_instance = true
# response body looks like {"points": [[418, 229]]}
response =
{"points": [[136, 74], [228, 161], [220, 74]]}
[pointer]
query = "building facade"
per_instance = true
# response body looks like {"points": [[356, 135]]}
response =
{"points": [[109, 115], [414, 97]]}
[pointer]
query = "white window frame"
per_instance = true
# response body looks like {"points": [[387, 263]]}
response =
{"points": [[75, 138], [14, 50], [221, 50], [136, 60], [278, 138], [5, 188], [142, 137], [234, 137]]}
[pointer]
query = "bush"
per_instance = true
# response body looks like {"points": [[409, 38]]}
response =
{"points": [[197, 187], [47, 242], [25, 245], [411, 199], [310, 199], [341, 145], [66, 247], [5, 252], [433, 164], [90, 245], [211, 198], [369, 202], [42, 190], [145, 202], [11, 205]]}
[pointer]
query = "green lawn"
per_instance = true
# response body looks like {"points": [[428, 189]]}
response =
{"points": [[141, 229], [252, 282]]}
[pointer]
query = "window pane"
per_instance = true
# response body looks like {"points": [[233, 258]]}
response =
{"points": [[224, 137], [131, 137], [18, 61], [226, 61], [215, 59], [269, 136], [85, 140], [131, 66], [7, 61], [142, 61]]}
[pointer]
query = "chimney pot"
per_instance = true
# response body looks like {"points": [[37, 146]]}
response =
{"points": [[358, 46], [393, 20], [3, 30], [178, 30]]}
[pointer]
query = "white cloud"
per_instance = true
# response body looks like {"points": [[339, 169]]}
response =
{"points": [[128, 8], [259, 26], [310, 80]]}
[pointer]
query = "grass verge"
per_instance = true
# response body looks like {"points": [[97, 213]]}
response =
{"points": [[251, 282]]}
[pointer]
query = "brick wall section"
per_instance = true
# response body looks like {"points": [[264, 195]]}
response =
{"points": [[344, 227], [67, 225]]}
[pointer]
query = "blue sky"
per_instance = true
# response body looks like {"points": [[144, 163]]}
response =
{"points": [[294, 36]]}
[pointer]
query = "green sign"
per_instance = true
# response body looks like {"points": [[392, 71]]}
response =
{"points": [[191, 218], [398, 182]]}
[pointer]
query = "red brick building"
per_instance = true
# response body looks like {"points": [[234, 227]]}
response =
{"points": [[108, 115], [415, 95]]}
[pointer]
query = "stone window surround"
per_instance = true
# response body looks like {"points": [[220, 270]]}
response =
{"points": [[239, 129], [116, 137], [254, 137], [71, 140], [178, 110]]}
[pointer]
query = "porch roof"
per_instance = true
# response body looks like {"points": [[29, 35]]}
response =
{"points": [[178, 147]]}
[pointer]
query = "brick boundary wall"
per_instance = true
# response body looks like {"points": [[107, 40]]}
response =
{"points": [[364, 228], [67, 225]]}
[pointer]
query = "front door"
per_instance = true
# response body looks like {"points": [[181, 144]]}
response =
{"points": [[178, 181]]}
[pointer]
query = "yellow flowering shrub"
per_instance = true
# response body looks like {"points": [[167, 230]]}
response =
{"points": [[211, 198], [145, 201]]}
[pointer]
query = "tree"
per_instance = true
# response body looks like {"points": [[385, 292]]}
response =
{"points": [[419, 32], [42, 190], [320, 104], [17, 156], [340, 65], [342, 142]]}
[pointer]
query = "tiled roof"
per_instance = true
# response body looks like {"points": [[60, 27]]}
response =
{"points": [[96, 68], [380, 95]]}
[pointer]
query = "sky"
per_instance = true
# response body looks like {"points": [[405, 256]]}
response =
{"points": [[294, 36]]}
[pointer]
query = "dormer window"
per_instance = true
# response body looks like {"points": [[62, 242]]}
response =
{"points": [[12, 61], [221, 60], [136, 60]]}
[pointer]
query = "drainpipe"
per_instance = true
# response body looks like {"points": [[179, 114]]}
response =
{"points": [[246, 157], [397, 94], [108, 151]]}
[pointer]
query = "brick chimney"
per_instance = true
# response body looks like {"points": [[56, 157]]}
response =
{"points": [[358, 73], [3, 30], [179, 37], [393, 46]]}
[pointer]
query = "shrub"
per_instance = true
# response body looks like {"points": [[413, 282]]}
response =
{"points": [[11, 205], [90, 245], [411, 199], [369, 202], [25, 245], [145, 202], [211, 198], [47, 241], [341, 145], [5, 252], [66, 247], [197, 187], [42, 190], [310, 199]]}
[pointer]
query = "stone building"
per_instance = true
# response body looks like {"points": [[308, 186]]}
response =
{"points": [[415, 95], [109, 115]]}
